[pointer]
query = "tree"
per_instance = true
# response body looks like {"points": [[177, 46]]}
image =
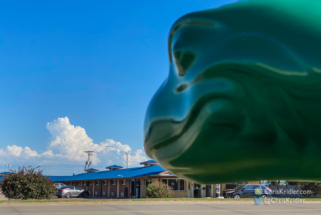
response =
{"points": [[308, 187], [27, 183], [311, 189], [156, 190]]}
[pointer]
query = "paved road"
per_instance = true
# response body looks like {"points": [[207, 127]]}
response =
{"points": [[163, 209]]}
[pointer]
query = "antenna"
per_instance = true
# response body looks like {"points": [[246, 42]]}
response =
{"points": [[89, 153], [8, 165], [127, 159]]}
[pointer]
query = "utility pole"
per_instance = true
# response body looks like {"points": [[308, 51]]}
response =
{"points": [[127, 159], [88, 162], [8, 165]]}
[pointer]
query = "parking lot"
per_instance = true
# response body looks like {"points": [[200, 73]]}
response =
{"points": [[163, 208]]}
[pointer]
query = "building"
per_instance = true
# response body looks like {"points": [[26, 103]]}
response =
{"points": [[117, 182], [4, 173]]}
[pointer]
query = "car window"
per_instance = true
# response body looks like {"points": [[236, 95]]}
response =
{"points": [[256, 186], [248, 187], [65, 187], [239, 187], [77, 188]]}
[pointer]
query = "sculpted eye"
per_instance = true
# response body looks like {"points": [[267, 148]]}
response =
{"points": [[183, 61]]}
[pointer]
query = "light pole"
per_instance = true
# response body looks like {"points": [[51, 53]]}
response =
{"points": [[8, 165]]}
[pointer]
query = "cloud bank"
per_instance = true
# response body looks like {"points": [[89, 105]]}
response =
{"points": [[66, 150]]}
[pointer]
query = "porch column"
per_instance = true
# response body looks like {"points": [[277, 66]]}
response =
{"points": [[108, 188], [117, 183], [93, 183]]}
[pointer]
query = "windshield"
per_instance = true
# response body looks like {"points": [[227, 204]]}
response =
{"points": [[238, 187]]}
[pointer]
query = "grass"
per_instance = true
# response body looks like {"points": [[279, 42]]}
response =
{"points": [[132, 200], [115, 200]]}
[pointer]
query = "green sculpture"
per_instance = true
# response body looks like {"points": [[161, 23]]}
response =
{"points": [[243, 97]]}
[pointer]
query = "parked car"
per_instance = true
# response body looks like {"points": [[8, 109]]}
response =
{"points": [[247, 191], [58, 185], [71, 191]]}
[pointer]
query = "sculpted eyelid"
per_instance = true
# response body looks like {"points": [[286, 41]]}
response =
{"points": [[176, 27]]}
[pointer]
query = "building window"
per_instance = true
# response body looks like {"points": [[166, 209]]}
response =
{"points": [[105, 182], [164, 181], [123, 182], [113, 182], [181, 185], [84, 183], [148, 182], [96, 182], [175, 184]]}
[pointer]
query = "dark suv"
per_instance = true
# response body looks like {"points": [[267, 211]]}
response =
{"points": [[247, 191]]}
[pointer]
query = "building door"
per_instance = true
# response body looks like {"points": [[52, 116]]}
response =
{"points": [[126, 192], [197, 191], [101, 188], [208, 190], [132, 188], [137, 189]]}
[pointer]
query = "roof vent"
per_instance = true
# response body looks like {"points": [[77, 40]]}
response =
{"points": [[91, 170], [149, 163], [113, 167]]}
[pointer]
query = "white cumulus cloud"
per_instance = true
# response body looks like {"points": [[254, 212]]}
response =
{"points": [[68, 143], [14, 150]]}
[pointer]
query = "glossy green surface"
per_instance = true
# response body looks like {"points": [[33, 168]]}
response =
{"points": [[242, 100]]}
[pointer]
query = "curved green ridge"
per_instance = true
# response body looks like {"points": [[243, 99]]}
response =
{"points": [[242, 100]]}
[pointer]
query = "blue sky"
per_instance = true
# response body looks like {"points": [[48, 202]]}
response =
{"points": [[91, 64]]}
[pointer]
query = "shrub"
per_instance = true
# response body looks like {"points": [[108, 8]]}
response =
{"points": [[27, 183], [310, 186], [156, 190]]}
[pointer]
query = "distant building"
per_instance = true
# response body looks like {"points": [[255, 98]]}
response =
{"points": [[4, 173], [117, 182]]}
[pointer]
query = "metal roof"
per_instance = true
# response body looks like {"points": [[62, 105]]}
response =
{"points": [[4, 173], [115, 174], [149, 161], [1, 178]]}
